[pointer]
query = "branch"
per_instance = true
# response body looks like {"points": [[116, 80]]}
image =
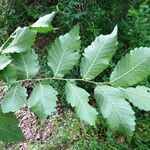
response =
{"points": [[62, 79]]}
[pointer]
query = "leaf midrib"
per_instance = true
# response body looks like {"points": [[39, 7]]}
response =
{"points": [[94, 60], [65, 48], [6, 76], [76, 93], [118, 78], [14, 93], [135, 93], [81, 102], [115, 108], [18, 42], [26, 69], [42, 97]]}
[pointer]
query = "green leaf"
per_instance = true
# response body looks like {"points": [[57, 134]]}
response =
{"points": [[9, 130], [23, 40], [139, 96], [9, 40], [27, 64], [43, 100], [8, 74], [62, 56], [115, 109], [98, 54], [79, 98], [42, 25], [132, 68], [4, 61], [14, 99]]}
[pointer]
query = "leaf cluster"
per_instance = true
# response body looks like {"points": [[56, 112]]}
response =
{"points": [[19, 63]]}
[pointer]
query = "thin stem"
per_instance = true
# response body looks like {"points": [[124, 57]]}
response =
{"points": [[62, 79]]}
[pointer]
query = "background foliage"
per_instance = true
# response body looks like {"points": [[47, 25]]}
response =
{"points": [[94, 17]]}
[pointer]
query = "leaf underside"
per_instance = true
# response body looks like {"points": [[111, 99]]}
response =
{"points": [[43, 24], [62, 56], [79, 98], [132, 68], [14, 99], [26, 64], [43, 100], [4, 61], [139, 97], [115, 109], [8, 74], [23, 40], [98, 54]]}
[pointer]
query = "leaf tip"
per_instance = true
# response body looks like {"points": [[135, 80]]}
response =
{"points": [[115, 30], [53, 14]]}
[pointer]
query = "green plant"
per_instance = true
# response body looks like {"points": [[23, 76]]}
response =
{"points": [[138, 21], [19, 63]]}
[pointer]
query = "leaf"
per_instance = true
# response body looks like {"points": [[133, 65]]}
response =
{"points": [[23, 40], [14, 99], [62, 56], [9, 40], [27, 64], [139, 96], [4, 61], [79, 98], [9, 130], [115, 109], [43, 100], [42, 25], [8, 74], [98, 54], [132, 68]]}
